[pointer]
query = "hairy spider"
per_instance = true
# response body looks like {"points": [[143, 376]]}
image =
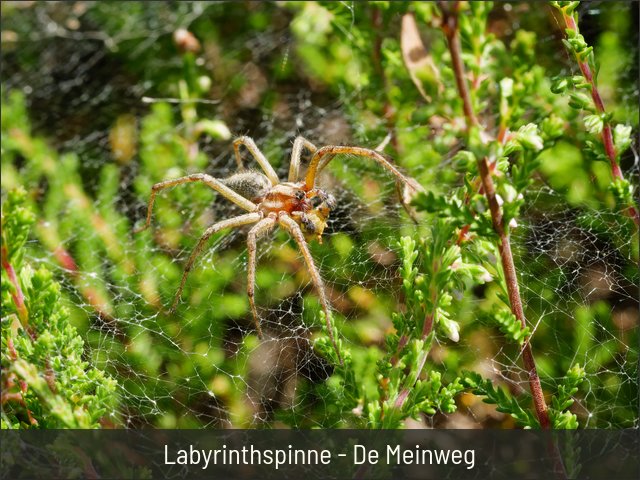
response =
{"points": [[297, 206]]}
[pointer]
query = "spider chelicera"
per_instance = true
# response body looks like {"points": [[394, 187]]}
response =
{"points": [[297, 206]]}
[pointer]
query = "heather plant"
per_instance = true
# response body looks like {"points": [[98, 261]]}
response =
{"points": [[45, 381], [502, 295]]}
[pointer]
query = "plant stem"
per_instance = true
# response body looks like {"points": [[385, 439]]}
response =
{"points": [[17, 296], [450, 28], [514, 292], [607, 134]]}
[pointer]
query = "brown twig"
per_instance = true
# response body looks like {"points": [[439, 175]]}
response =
{"points": [[450, 29], [514, 292]]}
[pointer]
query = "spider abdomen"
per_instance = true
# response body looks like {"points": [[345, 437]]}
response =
{"points": [[251, 185]]}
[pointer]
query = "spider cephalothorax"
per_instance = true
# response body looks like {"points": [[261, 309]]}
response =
{"points": [[310, 209], [297, 206]]}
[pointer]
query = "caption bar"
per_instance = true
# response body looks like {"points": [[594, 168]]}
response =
{"points": [[319, 454], [359, 455]]}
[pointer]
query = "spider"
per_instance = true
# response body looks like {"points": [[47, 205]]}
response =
{"points": [[297, 206]]}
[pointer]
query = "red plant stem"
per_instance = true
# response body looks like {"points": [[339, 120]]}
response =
{"points": [[8, 383], [450, 28], [514, 292], [13, 353], [18, 296], [50, 376], [10, 397], [607, 134], [402, 342], [93, 296], [422, 359], [65, 260], [428, 323]]}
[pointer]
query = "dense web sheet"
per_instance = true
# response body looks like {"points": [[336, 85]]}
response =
{"points": [[85, 72]]}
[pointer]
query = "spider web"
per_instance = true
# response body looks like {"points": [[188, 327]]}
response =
{"points": [[82, 67]]}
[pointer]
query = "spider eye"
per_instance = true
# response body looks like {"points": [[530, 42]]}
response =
{"points": [[299, 195], [315, 201]]}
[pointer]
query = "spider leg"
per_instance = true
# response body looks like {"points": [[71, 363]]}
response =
{"points": [[323, 163], [332, 151], [238, 221], [260, 228], [215, 184], [294, 167], [257, 154], [294, 230]]}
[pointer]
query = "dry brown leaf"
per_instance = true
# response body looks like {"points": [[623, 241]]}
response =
{"points": [[416, 57]]}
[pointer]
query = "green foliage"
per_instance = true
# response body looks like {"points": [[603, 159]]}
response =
{"points": [[561, 418], [511, 327], [584, 95], [429, 272], [425, 333], [496, 395], [45, 381]]}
